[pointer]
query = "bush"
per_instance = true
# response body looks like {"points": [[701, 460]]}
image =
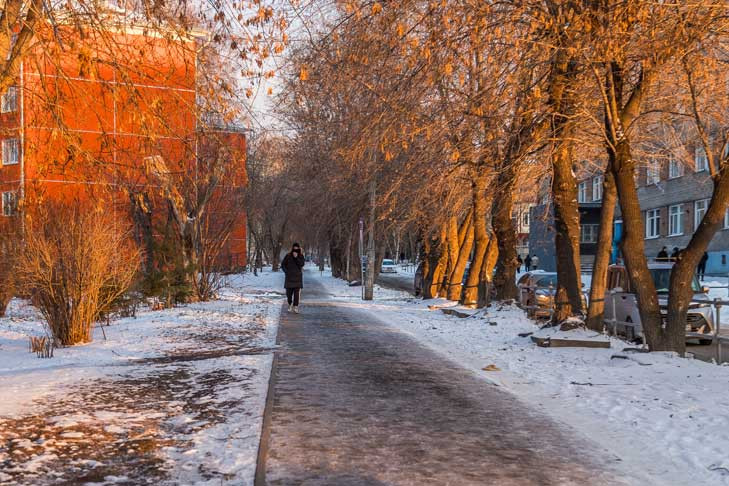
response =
{"points": [[74, 266]]}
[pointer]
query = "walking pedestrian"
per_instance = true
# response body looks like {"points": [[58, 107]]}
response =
{"points": [[535, 262], [528, 263], [519, 262], [292, 266], [662, 255], [702, 265]]}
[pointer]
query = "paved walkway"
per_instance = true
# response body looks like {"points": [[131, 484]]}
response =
{"points": [[355, 402]]}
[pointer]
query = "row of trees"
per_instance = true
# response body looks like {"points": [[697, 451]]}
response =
{"points": [[452, 111]]}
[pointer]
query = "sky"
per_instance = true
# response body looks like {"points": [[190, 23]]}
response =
{"points": [[305, 19]]}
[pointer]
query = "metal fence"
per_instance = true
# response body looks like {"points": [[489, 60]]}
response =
{"points": [[611, 324], [716, 339]]}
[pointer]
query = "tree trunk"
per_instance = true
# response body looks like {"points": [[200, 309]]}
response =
{"points": [[633, 247], [596, 309], [567, 228], [259, 261], [369, 282], [456, 282], [564, 186], [618, 118], [453, 240], [276, 256], [348, 253], [437, 258], [142, 217], [480, 210], [336, 258], [503, 226], [487, 272]]}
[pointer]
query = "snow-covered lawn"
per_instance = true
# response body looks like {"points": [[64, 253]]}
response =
{"points": [[666, 417], [169, 397]]}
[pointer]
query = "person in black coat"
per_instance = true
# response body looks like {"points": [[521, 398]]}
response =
{"points": [[662, 255], [702, 265], [675, 254], [292, 266]]}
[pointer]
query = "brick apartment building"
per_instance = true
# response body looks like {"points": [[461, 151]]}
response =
{"points": [[541, 228], [85, 113], [674, 196]]}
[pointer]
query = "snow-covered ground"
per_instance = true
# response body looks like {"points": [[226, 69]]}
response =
{"points": [[666, 417], [169, 397]]}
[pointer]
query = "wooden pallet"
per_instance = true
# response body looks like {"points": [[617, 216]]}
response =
{"points": [[568, 343]]}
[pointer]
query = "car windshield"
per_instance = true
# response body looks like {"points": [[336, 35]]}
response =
{"points": [[547, 281], [388, 262], [662, 280]]}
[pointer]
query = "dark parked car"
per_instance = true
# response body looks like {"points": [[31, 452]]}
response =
{"points": [[536, 292]]}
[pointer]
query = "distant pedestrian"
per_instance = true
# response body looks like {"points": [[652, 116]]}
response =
{"points": [[535, 262], [520, 262], [702, 265], [662, 255], [528, 263], [292, 266], [675, 253]]}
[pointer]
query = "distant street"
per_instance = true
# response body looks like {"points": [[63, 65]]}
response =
{"points": [[397, 281]]}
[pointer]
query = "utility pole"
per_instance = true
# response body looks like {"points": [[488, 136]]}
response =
{"points": [[362, 260], [370, 275]]}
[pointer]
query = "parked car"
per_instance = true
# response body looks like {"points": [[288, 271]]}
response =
{"points": [[620, 300], [388, 266], [536, 293]]}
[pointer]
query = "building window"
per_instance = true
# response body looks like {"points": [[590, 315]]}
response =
{"points": [[700, 159], [700, 207], [10, 151], [525, 218], [653, 223], [9, 204], [675, 220], [588, 233], [675, 168], [9, 101], [652, 174], [582, 192], [597, 188]]}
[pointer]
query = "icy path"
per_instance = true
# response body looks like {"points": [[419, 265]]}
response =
{"points": [[356, 402], [175, 397]]}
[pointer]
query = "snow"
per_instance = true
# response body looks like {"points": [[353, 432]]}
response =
{"points": [[666, 417], [208, 430]]}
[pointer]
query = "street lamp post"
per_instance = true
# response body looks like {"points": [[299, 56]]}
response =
{"points": [[362, 258], [370, 274]]}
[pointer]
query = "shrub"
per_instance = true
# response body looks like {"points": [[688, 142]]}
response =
{"points": [[74, 266]]}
